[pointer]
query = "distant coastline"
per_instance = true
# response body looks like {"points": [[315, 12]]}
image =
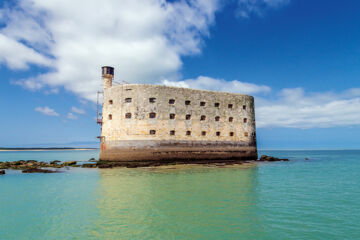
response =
{"points": [[45, 149]]}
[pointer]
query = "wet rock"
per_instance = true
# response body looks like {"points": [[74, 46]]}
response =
{"points": [[92, 160], [38, 170], [31, 161], [307, 158], [2, 172], [55, 162], [265, 158], [69, 163], [89, 165]]}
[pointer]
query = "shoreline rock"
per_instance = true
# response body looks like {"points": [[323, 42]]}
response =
{"points": [[2, 172], [265, 158], [38, 170]]}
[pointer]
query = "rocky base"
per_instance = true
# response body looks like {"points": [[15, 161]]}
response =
{"points": [[33, 166]]}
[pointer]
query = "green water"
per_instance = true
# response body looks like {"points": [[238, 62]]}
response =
{"points": [[314, 199]]}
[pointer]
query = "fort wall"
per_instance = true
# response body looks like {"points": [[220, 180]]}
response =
{"points": [[152, 122]]}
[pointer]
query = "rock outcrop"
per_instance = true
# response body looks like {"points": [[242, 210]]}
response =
{"points": [[265, 158]]}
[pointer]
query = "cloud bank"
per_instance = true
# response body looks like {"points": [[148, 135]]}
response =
{"points": [[143, 39]]}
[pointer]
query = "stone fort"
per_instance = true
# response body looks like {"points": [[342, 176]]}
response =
{"points": [[143, 122]]}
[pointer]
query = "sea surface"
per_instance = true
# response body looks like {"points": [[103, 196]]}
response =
{"points": [[317, 198]]}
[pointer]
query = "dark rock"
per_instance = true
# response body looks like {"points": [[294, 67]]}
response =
{"points": [[265, 158], [38, 170], [31, 161], [2, 172], [89, 165], [92, 159], [55, 162], [307, 158], [69, 163]]}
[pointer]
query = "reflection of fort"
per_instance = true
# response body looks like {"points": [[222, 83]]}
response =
{"points": [[169, 204]]}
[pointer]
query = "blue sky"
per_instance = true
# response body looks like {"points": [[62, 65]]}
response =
{"points": [[300, 59]]}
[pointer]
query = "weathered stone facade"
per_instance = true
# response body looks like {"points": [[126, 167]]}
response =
{"points": [[152, 122]]}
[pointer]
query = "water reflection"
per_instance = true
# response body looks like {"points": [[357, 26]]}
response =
{"points": [[190, 203]]}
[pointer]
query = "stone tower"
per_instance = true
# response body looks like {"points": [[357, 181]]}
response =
{"points": [[108, 76]]}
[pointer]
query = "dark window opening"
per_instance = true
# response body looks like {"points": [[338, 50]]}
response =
{"points": [[128, 100], [172, 132], [152, 132], [187, 102], [245, 120], [231, 134], [110, 117], [246, 134], [188, 117], [110, 102], [244, 107], [217, 104], [171, 101], [231, 119], [172, 116], [230, 106], [152, 115], [217, 118], [203, 118], [152, 100], [188, 133], [218, 134], [202, 104], [203, 133], [128, 115]]}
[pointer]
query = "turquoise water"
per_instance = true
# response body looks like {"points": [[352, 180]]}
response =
{"points": [[314, 199]]}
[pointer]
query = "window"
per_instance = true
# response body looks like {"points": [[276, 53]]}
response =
{"points": [[172, 116], [110, 102], [171, 101], [217, 104], [152, 115], [203, 133], [110, 117], [245, 120], [217, 118], [244, 107], [203, 118], [152, 132], [128, 115], [152, 100], [172, 132], [218, 134], [231, 119], [188, 117], [230, 106], [231, 134], [187, 102], [202, 104], [246, 134], [188, 133], [128, 100]]}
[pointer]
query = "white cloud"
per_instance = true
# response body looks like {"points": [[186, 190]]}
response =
{"points": [[143, 39], [46, 111], [78, 110], [71, 116], [18, 56], [209, 83], [258, 7], [294, 108]]}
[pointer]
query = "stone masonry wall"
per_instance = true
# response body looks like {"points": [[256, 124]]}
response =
{"points": [[127, 123]]}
